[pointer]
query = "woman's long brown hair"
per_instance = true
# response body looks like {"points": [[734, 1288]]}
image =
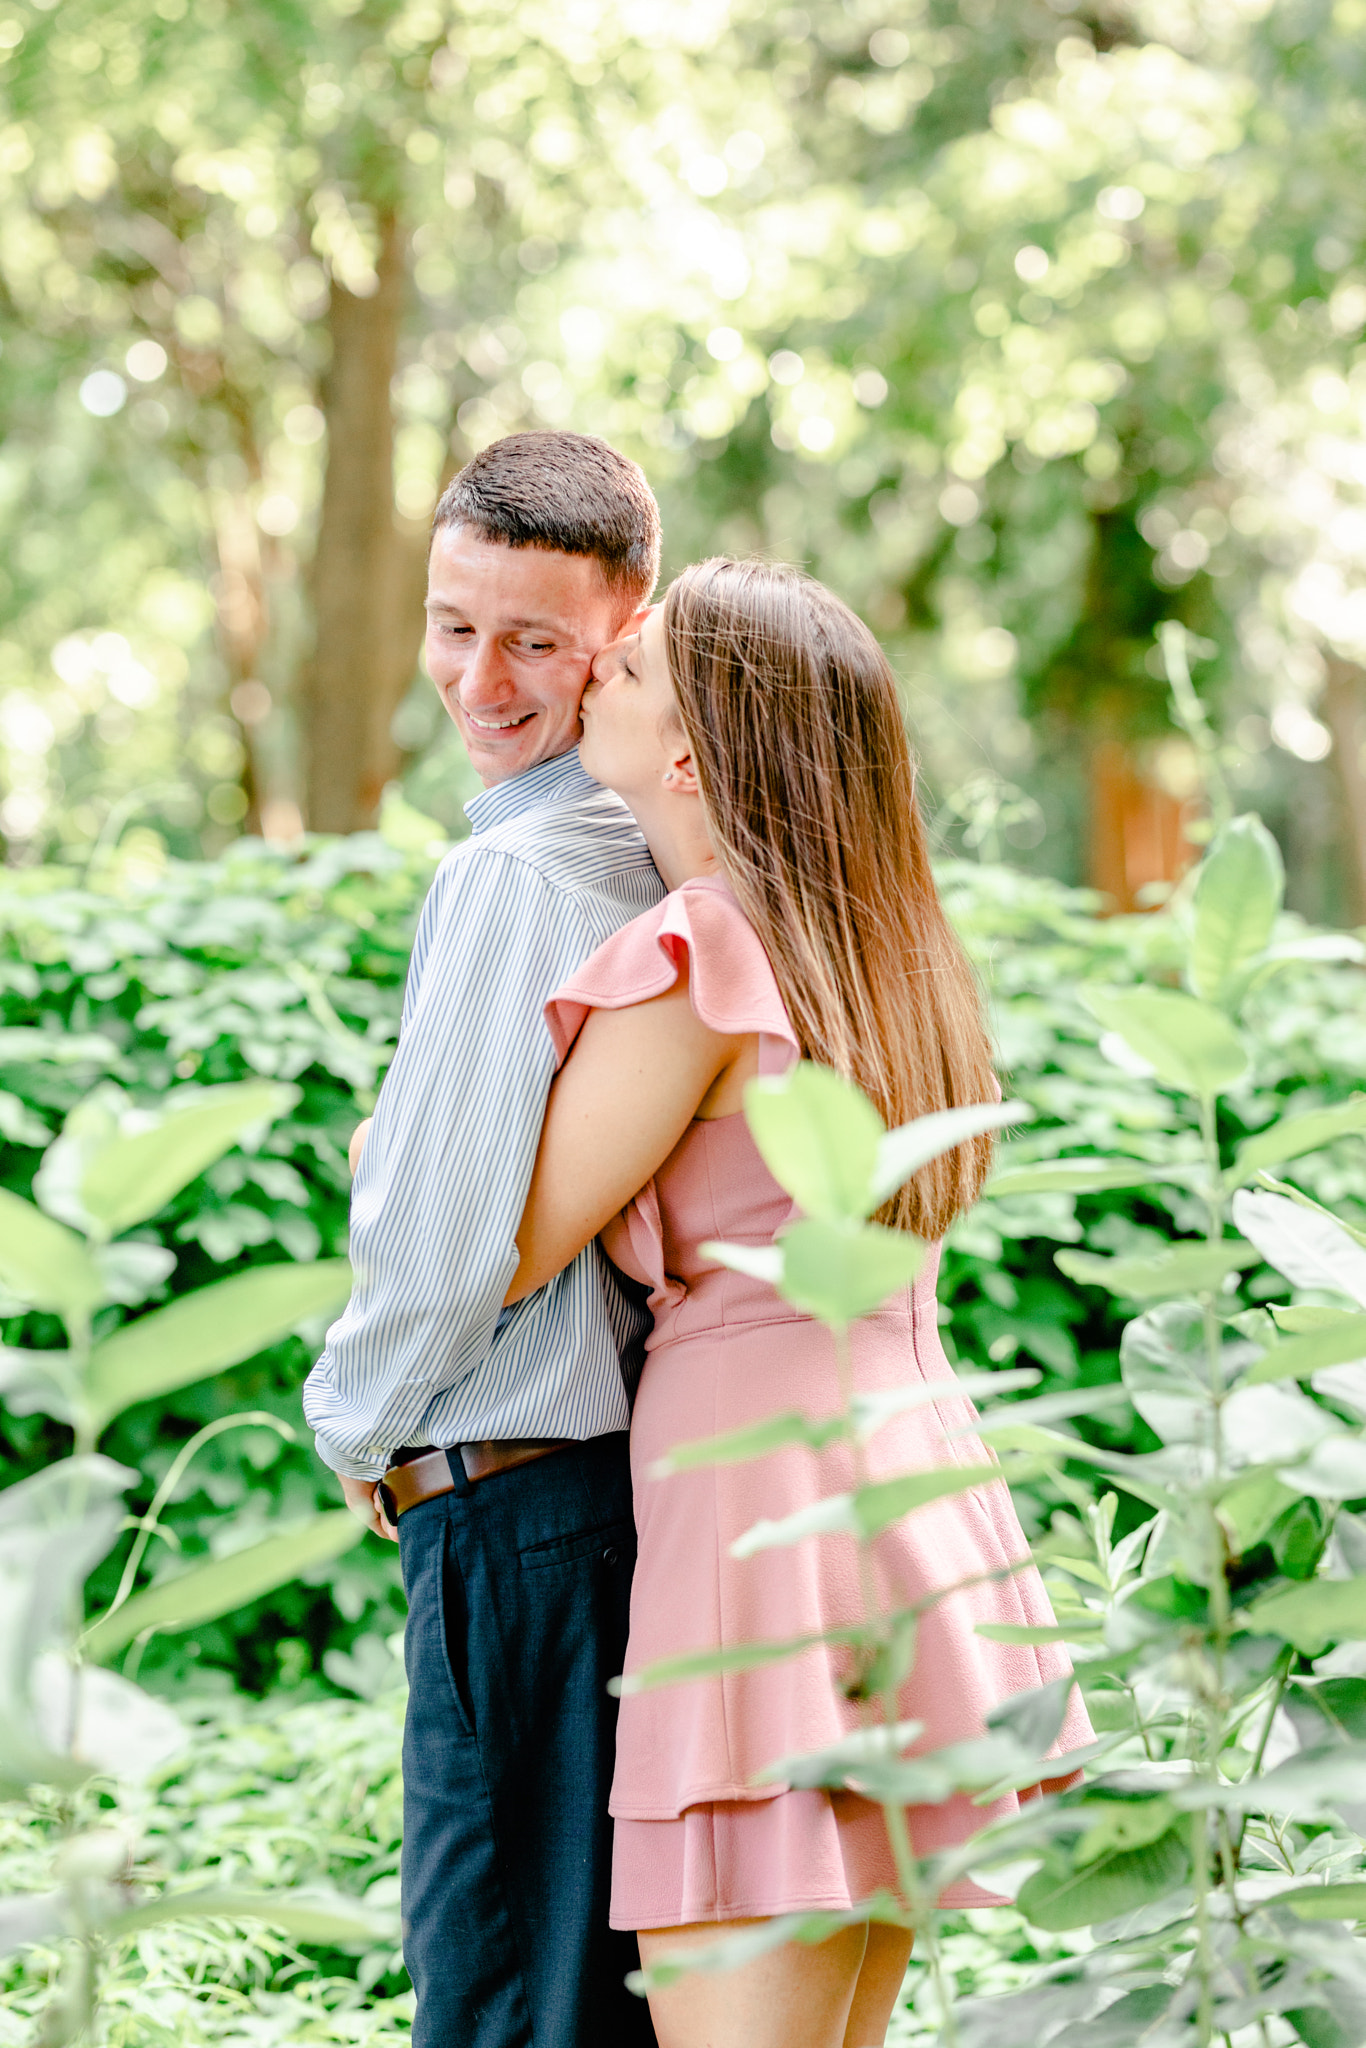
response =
{"points": [[806, 773]]}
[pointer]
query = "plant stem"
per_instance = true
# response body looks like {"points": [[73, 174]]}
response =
{"points": [[150, 1525], [921, 1908]]}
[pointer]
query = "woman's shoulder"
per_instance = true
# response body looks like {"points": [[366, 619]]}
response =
{"points": [[698, 929]]}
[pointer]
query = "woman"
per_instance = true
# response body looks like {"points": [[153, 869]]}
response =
{"points": [[753, 727]]}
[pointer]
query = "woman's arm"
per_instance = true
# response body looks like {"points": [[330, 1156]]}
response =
{"points": [[629, 1089]]}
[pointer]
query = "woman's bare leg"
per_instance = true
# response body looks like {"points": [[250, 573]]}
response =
{"points": [[794, 1997], [879, 1981]]}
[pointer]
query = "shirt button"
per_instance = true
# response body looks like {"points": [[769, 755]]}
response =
{"points": [[611, 1555]]}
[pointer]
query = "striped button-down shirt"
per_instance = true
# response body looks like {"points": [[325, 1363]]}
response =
{"points": [[425, 1351]]}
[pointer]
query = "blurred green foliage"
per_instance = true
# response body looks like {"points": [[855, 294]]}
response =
{"points": [[290, 965], [260, 965], [1025, 325]]}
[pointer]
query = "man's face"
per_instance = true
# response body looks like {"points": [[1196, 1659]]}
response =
{"points": [[511, 636]]}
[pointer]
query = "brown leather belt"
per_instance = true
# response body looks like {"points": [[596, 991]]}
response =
{"points": [[421, 1474]]}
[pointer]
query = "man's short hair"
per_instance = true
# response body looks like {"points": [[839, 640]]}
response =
{"points": [[569, 493]]}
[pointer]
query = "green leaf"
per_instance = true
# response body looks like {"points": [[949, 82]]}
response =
{"points": [[1250, 1505], [1185, 1269], [20, 1046], [1237, 896], [105, 1177], [1340, 1343], [1312, 1615], [1303, 1242], [733, 1951], [731, 1657], [839, 1761], [226, 1584], [1293, 1136], [1188, 1044], [838, 1273], [754, 1440], [1299, 1318], [1123, 1824], [44, 1263], [757, 1261], [203, 1332], [1085, 1176], [1118, 1882], [910, 1146], [1325, 1902], [302, 1916], [863, 1513], [1020, 1632], [38, 1382], [818, 1136]]}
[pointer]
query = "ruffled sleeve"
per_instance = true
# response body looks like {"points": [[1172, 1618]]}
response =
{"points": [[730, 981]]}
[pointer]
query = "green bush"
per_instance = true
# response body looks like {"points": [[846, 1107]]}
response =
{"points": [[265, 963], [290, 964], [260, 1799]]}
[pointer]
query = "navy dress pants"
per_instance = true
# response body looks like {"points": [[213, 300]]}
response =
{"points": [[518, 1590]]}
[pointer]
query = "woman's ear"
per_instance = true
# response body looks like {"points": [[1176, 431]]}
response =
{"points": [[680, 775]]}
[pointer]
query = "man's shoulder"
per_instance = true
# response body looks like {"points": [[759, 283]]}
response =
{"points": [[576, 843]]}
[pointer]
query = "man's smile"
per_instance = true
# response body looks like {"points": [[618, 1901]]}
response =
{"points": [[497, 724]]}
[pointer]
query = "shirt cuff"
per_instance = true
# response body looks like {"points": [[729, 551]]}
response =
{"points": [[347, 1467]]}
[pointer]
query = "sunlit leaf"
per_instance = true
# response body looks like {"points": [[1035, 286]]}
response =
{"points": [[1293, 1136], [756, 1261], [838, 1273], [38, 1382], [867, 1511], [1309, 1247], [1326, 1901], [733, 1951], [1042, 1632], [209, 1590], [1187, 1043], [1312, 1615], [43, 1262], [818, 1136], [731, 1657], [1118, 1882], [1337, 1343], [1237, 897], [327, 1918], [104, 1177], [906, 1149], [214, 1327], [1185, 1269], [1083, 1176], [755, 1440]]}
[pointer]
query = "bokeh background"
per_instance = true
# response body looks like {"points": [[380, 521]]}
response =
{"points": [[1028, 326]]}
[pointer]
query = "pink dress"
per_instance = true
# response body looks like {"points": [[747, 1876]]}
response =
{"points": [[696, 1839]]}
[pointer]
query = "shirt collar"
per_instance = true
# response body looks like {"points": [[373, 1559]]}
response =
{"points": [[548, 782]]}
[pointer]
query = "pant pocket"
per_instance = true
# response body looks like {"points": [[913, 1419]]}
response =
{"points": [[436, 1639]]}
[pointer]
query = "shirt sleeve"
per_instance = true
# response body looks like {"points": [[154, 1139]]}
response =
{"points": [[446, 1167]]}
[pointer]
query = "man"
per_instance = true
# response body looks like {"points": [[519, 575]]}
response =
{"points": [[500, 1437]]}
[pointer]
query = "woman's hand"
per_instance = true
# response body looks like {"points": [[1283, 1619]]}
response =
{"points": [[357, 1145]]}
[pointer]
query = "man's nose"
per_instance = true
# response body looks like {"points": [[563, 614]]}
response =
{"points": [[485, 678]]}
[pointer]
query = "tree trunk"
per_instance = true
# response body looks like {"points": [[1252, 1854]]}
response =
{"points": [[368, 576], [1344, 711]]}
